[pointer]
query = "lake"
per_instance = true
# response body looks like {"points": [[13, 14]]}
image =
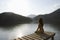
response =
{"points": [[25, 29]]}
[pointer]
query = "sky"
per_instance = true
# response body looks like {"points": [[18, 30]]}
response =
{"points": [[27, 7]]}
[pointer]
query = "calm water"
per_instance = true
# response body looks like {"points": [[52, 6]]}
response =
{"points": [[25, 29]]}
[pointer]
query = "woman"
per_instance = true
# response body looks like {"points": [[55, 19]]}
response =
{"points": [[40, 26]]}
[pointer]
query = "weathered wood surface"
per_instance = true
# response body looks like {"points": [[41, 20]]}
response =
{"points": [[35, 36]]}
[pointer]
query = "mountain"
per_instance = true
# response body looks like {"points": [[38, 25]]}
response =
{"points": [[12, 19], [31, 16], [53, 18]]}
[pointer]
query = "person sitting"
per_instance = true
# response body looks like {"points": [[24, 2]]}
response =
{"points": [[40, 26]]}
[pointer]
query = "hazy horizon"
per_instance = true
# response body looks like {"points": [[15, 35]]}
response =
{"points": [[27, 7]]}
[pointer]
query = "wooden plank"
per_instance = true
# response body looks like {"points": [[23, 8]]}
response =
{"points": [[35, 36], [28, 38], [31, 37], [51, 34]]}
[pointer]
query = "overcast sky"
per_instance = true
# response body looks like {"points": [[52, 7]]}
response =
{"points": [[27, 7]]}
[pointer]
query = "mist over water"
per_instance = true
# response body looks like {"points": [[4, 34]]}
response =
{"points": [[26, 29]]}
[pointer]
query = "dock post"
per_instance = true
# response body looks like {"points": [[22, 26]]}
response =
{"points": [[52, 38]]}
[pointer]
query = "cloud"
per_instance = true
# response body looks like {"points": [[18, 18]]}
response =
{"points": [[53, 8], [56, 6]]}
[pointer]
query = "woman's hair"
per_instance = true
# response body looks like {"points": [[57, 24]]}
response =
{"points": [[41, 21]]}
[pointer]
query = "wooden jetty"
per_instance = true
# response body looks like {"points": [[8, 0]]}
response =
{"points": [[39, 34], [35, 36]]}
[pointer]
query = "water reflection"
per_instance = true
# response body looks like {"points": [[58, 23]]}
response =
{"points": [[26, 29]]}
